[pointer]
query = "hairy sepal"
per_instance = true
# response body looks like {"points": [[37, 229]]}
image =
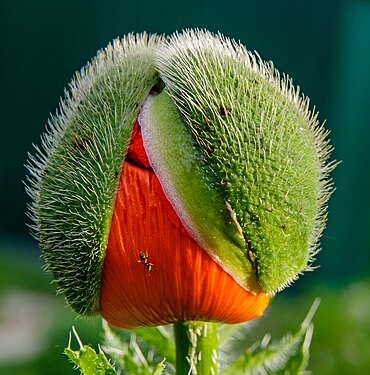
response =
{"points": [[74, 176], [189, 187], [264, 146]]}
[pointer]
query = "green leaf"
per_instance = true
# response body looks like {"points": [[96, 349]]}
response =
{"points": [[159, 338], [233, 339], [129, 355], [87, 360], [160, 368], [288, 356]]}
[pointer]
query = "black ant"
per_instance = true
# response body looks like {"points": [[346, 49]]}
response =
{"points": [[144, 260]]}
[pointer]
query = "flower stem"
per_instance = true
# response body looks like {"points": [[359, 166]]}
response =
{"points": [[196, 348]]}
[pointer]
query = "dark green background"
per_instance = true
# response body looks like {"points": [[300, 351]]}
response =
{"points": [[323, 45]]}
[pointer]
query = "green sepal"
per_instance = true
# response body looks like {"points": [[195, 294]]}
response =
{"points": [[189, 186], [75, 176], [264, 146]]}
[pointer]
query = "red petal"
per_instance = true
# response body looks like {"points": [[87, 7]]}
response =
{"points": [[184, 283]]}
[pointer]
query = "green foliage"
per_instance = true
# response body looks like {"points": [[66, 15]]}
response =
{"points": [[161, 339], [128, 356], [132, 357], [234, 340], [288, 356], [87, 360]]}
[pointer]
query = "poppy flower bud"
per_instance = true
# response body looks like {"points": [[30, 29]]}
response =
{"points": [[182, 179]]}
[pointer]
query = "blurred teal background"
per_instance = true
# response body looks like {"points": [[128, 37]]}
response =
{"points": [[323, 45]]}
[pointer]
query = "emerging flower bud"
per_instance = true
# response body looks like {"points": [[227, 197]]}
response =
{"points": [[182, 179]]}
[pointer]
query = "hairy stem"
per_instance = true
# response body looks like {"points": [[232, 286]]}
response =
{"points": [[196, 348]]}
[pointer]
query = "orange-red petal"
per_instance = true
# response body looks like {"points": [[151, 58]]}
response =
{"points": [[183, 282]]}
